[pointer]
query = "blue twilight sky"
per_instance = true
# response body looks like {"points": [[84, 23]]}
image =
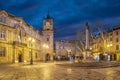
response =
{"points": [[69, 15]]}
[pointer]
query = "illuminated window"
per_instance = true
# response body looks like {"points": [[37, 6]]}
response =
{"points": [[2, 35], [2, 51]]}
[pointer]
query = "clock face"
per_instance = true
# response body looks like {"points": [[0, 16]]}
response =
{"points": [[47, 24]]}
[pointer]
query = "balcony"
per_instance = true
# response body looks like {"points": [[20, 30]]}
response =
{"points": [[19, 43]]}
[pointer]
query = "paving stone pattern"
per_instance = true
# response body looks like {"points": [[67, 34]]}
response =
{"points": [[51, 71]]}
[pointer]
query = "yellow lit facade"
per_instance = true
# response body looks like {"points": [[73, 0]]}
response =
{"points": [[19, 39], [110, 44]]}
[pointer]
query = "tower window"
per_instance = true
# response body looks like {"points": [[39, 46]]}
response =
{"points": [[47, 39]]}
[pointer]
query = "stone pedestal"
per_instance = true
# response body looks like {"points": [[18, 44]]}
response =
{"points": [[84, 55], [87, 56]]}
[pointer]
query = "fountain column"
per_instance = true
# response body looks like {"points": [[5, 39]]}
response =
{"points": [[87, 36], [87, 46]]}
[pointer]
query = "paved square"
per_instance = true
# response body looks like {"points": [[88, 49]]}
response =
{"points": [[51, 71]]}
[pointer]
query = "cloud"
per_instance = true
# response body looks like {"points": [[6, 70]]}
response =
{"points": [[68, 15]]}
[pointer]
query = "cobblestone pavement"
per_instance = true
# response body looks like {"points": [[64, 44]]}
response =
{"points": [[50, 71]]}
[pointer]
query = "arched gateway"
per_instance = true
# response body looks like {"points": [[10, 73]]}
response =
{"points": [[47, 57]]}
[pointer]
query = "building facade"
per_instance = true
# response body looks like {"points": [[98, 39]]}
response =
{"points": [[104, 47], [19, 41], [66, 48], [107, 46]]}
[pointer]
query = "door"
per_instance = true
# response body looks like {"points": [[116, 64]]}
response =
{"points": [[47, 57], [20, 57]]}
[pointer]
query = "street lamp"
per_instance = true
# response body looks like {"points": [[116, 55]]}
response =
{"points": [[31, 40], [45, 46], [90, 48]]}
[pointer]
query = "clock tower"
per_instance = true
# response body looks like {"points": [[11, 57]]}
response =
{"points": [[48, 34], [48, 23]]}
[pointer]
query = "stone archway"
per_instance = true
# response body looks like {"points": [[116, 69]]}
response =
{"points": [[47, 57]]}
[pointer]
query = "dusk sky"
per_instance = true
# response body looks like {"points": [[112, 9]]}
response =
{"points": [[69, 15]]}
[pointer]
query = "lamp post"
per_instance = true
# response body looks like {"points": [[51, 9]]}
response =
{"points": [[46, 47], [31, 40]]}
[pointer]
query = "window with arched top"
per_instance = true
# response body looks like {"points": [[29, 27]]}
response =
{"points": [[2, 34]]}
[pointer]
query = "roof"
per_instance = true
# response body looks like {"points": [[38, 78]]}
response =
{"points": [[116, 27]]}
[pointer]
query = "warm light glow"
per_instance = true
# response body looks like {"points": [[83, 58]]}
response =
{"points": [[46, 73], [16, 61], [69, 50], [45, 46], [108, 72], [33, 40], [110, 44], [90, 48], [25, 61], [69, 70], [29, 38]]}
